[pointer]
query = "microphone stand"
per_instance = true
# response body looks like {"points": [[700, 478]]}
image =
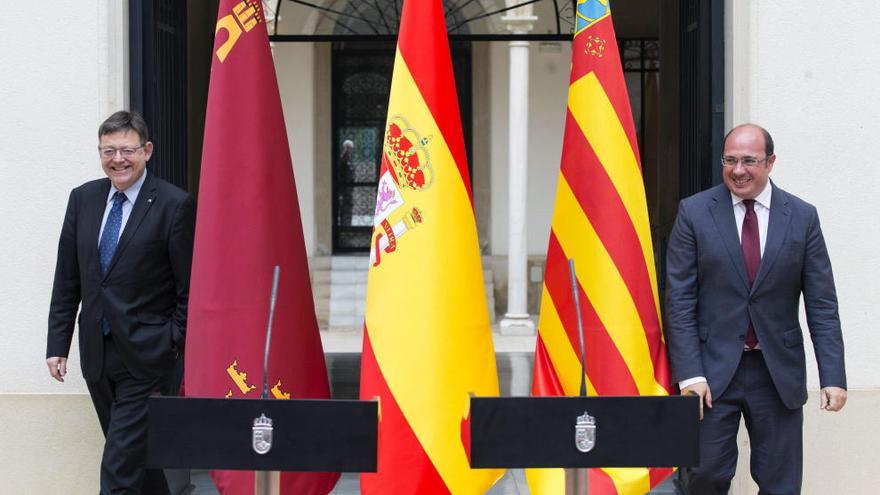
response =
{"points": [[576, 479], [577, 308], [268, 482]]}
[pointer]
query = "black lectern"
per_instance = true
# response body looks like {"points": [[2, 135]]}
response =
{"points": [[306, 435], [528, 432]]}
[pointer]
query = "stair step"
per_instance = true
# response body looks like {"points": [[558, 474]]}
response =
{"points": [[339, 289], [358, 263], [348, 291], [348, 277]]}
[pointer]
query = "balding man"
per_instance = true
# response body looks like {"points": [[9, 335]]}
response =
{"points": [[740, 257]]}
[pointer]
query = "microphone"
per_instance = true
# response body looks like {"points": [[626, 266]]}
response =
{"points": [[265, 394]]}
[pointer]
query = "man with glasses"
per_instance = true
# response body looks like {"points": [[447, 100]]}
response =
{"points": [[740, 257], [124, 254]]}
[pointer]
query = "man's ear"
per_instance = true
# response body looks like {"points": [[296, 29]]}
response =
{"points": [[148, 150]]}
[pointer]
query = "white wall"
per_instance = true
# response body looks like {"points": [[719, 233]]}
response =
{"points": [[812, 82], [62, 78], [64, 73], [807, 72], [295, 69], [548, 93]]}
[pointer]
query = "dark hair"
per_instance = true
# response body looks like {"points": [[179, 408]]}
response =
{"points": [[768, 141], [123, 121]]}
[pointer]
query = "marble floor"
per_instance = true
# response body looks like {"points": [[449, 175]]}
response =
{"points": [[513, 483]]}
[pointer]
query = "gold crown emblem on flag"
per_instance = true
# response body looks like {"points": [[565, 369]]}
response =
{"points": [[595, 46], [407, 155]]}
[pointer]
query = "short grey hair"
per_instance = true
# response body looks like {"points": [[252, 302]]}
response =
{"points": [[123, 121]]}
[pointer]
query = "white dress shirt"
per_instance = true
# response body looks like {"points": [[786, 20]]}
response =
{"points": [[131, 195], [762, 211]]}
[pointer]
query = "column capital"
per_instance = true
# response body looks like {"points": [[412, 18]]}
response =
{"points": [[519, 20], [519, 24]]}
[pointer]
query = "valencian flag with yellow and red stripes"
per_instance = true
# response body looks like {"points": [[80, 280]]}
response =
{"points": [[427, 340], [600, 219]]}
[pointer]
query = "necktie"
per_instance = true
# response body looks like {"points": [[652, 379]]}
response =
{"points": [[109, 238], [751, 246]]}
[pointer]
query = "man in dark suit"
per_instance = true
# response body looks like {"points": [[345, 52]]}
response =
{"points": [[125, 254], [740, 256]]}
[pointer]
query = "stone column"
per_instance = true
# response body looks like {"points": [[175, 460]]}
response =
{"points": [[517, 321]]}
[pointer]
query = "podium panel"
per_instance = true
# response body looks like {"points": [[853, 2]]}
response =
{"points": [[536, 432], [307, 435]]}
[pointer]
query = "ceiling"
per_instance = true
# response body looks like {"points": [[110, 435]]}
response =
{"points": [[317, 20]]}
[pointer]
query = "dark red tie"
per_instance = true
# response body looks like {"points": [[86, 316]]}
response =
{"points": [[751, 245]]}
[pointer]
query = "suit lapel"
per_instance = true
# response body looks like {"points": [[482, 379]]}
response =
{"points": [[139, 210], [777, 229], [721, 209]]}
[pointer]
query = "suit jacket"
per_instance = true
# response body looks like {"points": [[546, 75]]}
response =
{"points": [[709, 301], [145, 291]]}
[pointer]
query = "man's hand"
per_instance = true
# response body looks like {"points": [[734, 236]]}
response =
{"points": [[701, 389], [57, 367], [832, 398]]}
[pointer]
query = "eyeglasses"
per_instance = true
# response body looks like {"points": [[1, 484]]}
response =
{"points": [[108, 152], [747, 161]]}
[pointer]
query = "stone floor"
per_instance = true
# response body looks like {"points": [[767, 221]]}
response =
{"points": [[513, 483]]}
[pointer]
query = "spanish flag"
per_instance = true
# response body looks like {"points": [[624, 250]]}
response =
{"points": [[248, 221], [427, 340], [600, 219]]}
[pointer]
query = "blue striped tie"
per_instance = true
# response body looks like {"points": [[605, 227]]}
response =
{"points": [[109, 238]]}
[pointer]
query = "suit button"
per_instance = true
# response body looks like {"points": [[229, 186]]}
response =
{"points": [[742, 337], [103, 285]]}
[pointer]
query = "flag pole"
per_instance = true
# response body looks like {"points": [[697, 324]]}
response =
{"points": [[267, 483]]}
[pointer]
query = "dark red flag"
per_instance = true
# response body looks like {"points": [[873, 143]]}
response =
{"points": [[248, 221]]}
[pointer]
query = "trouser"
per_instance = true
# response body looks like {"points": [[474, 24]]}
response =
{"points": [[775, 435], [120, 400]]}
